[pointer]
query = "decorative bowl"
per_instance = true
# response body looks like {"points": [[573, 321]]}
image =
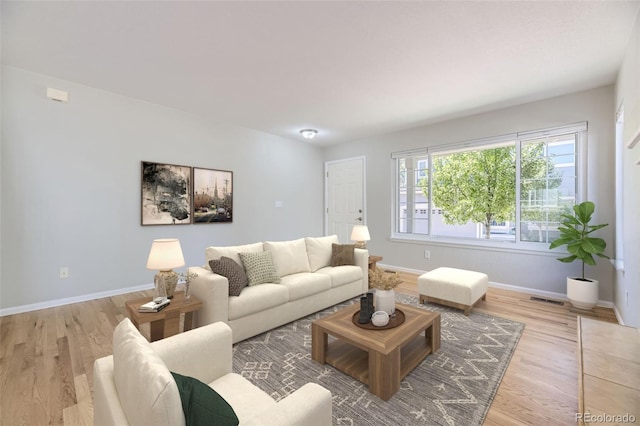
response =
{"points": [[380, 318]]}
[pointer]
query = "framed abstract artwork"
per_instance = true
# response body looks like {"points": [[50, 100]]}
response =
{"points": [[166, 194], [212, 195]]}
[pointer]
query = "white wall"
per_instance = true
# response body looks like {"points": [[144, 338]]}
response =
{"points": [[538, 271], [70, 176], [628, 95]]}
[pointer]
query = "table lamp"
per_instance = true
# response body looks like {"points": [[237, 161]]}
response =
{"points": [[360, 234], [165, 254]]}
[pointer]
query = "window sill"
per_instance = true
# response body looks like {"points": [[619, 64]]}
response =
{"points": [[539, 249]]}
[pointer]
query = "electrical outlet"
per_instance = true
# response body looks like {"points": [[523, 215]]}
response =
{"points": [[64, 272], [427, 254]]}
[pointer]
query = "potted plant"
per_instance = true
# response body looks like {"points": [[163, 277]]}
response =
{"points": [[575, 235], [384, 282]]}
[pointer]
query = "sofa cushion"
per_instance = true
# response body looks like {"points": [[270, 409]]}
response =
{"points": [[319, 251], [342, 254], [259, 268], [202, 405], [211, 253], [257, 299], [341, 275], [305, 284], [232, 271], [246, 398], [289, 257], [147, 391]]}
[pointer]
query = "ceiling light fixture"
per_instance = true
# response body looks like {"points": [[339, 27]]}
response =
{"points": [[308, 133]]}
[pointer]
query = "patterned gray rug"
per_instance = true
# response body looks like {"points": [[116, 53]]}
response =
{"points": [[454, 386]]}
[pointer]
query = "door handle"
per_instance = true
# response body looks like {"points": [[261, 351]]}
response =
{"points": [[359, 219]]}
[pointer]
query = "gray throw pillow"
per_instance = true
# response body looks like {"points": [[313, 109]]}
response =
{"points": [[259, 268], [342, 254], [234, 273]]}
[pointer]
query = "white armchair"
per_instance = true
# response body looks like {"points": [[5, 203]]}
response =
{"points": [[135, 386]]}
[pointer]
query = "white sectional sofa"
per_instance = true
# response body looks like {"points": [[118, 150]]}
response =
{"points": [[308, 283]]}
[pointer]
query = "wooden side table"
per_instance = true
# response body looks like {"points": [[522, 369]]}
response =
{"points": [[373, 259], [166, 322]]}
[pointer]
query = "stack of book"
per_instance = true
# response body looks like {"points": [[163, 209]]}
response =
{"points": [[154, 306]]}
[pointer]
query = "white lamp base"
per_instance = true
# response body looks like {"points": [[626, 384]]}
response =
{"points": [[165, 282]]}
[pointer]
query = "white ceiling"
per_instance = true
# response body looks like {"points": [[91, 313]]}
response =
{"points": [[349, 69]]}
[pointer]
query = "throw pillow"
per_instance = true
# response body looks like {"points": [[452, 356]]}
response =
{"points": [[232, 271], [289, 257], [342, 254], [202, 405], [259, 268], [319, 251]]}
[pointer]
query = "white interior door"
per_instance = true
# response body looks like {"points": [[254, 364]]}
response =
{"points": [[344, 196]]}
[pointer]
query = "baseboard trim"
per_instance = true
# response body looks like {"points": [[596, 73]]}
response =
{"points": [[70, 300], [618, 315], [534, 291]]}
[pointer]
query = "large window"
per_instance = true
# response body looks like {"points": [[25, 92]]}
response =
{"points": [[510, 188]]}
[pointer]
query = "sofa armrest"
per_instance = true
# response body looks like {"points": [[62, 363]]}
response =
{"points": [[107, 410], [204, 353], [309, 405], [362, 260], [213, 290]]}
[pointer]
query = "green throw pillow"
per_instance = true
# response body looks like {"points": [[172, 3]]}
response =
{"points": [[202, 405], [259, 267]]}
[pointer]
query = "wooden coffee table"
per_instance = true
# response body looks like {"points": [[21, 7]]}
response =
{"points": [[166, 322], [378, 358]]}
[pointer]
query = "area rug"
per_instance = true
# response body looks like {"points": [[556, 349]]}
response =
{"points": [[454, 386]]}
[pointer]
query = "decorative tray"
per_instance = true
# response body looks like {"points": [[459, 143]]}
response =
{"points": [[394, 321]]}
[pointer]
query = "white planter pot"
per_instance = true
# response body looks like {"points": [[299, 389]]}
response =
{"points": [[582, 294], [385, 300]]}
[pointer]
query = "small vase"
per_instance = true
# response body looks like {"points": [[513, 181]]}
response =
{"points": [[365, 315], [386, 301], [370, 308], [187, 295]]}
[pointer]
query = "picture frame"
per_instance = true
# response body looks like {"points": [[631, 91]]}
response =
{"points": [[166, 194], [212, 196]]}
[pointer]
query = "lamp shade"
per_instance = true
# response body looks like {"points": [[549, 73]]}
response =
{"points": [[360, 233], [165, 254]]}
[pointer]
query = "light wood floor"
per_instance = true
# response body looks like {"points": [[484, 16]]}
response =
{"points": [[46, 360]]}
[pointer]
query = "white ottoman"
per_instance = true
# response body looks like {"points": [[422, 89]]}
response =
{"points": [[457, 288]]}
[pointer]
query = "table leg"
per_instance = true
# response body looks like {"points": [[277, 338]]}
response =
{"points": [[172, 324], [157, 329], [432, 334], [319, 342], [384, 373], [188, 321]]}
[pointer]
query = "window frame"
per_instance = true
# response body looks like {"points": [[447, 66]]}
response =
{"points": [[579, 129]]}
